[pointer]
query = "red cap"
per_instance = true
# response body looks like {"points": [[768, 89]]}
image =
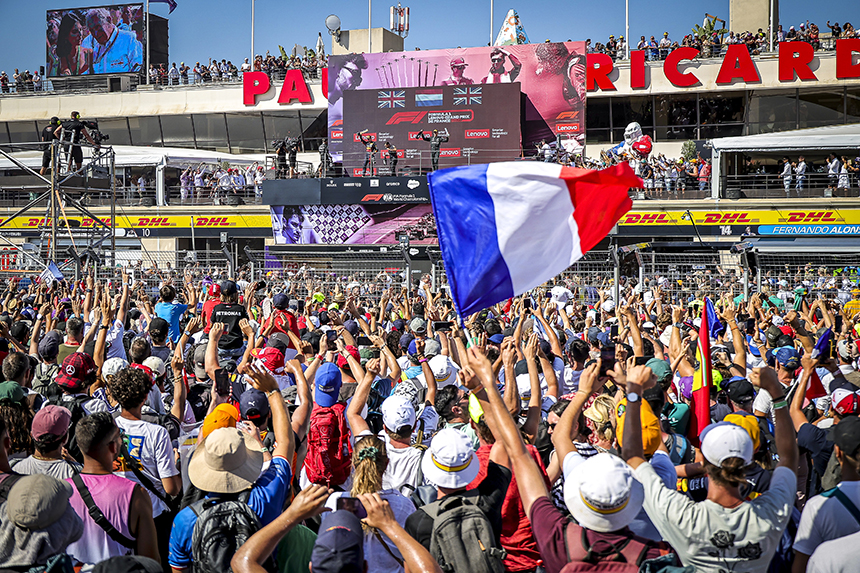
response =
{"points": [[146, 370], [76, 371], [53, 420], [845, 401], [353, 351], [215, 289], [272, 359], [786, 329]]}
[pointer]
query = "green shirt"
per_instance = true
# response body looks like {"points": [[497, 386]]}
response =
{"points": [[293, 553]]}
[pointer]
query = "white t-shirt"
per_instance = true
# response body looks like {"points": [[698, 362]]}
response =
{"points": [[836, 556], [402, 467], [150, 445], [825, 518], [710, 537], [90, 407], [569, 381]]}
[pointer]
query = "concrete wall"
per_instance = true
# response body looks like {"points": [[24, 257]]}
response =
{"points": [[355, 41], [750, 15]]}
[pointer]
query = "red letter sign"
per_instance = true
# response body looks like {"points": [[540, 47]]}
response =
{"points": [[845, 66], [794, 58], [597, 72], [637, 69], [295, 88], [324, 76], [670, 67], [254, 84], [737, 64]]}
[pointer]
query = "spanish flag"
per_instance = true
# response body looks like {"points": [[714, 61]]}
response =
{"points": [[703, 377]]}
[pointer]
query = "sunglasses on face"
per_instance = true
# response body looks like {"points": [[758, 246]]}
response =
{"points": [[496, 60]]}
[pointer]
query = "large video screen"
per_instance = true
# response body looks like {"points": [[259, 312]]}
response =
{"points": [[99, 40], [474, 124], [551, 77], [353, 224]]}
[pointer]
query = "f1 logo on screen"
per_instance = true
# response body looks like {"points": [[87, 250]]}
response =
{"points": [[406, 117]]}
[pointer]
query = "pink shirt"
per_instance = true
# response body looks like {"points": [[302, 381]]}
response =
{"points": [[112, 495]]}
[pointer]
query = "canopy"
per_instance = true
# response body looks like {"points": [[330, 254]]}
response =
{"points": [[830, 138]]}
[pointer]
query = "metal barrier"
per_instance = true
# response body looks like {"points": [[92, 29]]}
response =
{"points": [[772, 185]]}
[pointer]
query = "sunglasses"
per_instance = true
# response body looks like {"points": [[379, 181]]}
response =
{"points": [[497, 60], [464, 67]]}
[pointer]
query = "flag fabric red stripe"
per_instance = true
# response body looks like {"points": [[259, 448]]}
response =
{"points": [[815, 388], [701, 407]]}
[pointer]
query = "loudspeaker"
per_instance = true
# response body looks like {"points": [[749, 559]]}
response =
{"points": [[233, 200]]}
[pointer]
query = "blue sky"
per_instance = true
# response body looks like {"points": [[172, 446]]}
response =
{"points": [[203, 29]]}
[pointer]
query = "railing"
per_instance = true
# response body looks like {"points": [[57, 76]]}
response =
{"points": [[774, 186]]}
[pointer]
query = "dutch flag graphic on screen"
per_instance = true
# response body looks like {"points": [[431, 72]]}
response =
{"points": [[505, 228], [428, 98]]}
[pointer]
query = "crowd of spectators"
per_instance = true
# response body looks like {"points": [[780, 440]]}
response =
{"points": [[21, 82], [712, 45], [226, 71], [213, 422]]}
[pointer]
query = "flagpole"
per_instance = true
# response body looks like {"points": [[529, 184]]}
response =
{"points": [[253, 4], [369, 41], [146, 68], [491, 22]]}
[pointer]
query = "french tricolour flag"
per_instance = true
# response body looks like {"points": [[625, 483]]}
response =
{"points": [[505, 228]]}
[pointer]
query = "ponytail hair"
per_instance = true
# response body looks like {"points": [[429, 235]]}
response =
{"points": [[369, 460], [731, 473]]}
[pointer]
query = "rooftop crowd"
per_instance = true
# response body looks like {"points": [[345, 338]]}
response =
{"points": [[227, 71], [227, 423]]}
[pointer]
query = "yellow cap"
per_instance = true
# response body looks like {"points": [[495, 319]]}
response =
{"points": [[652, 436], [748, 423]]}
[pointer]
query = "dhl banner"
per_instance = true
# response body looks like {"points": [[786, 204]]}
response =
{"points": [[161, 225], [760, 222]]}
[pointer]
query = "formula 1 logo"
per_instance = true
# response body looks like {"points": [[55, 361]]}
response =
{"points": [[371, 197], [567, 115], [406, 117], [477, 133]]}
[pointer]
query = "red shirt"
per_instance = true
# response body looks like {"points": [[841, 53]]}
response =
{"points": [[517, 537], [285, 322], [207, 312]]}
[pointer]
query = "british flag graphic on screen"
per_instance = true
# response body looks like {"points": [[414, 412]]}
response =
{"points": [[392, 98], [467, 96]]}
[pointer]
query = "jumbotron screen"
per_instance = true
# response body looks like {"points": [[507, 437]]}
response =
{"points": [[481, 124], [99, 40]]}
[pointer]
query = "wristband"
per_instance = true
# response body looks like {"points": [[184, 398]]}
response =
{"points": [[321, 357], [186, 333], [269, 394], [780, 405], [678, 325], [104, 326], [422, 360]]}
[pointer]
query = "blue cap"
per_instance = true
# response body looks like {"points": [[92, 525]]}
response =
{"points": [[412, 348], [351, 327], [406, 340], [603, 338], [788, 357], [327, 385], [339, 547], [398, 325], [253, 405], [753, 348], [497, 338], [280, 301]]}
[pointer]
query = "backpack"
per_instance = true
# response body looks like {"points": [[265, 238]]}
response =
{"points": [[45, 374], [222, 527], [543, 442], [680, 449], [626, 557], [423, 494], [462, 538], [380, 389], [55, 397], [329, 458], [7, 484], [199, 396]]}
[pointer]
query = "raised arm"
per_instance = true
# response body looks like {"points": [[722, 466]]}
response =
{"points": [[262, 380], [353, 413], [786, 436], [562, 436], [380, 516]]}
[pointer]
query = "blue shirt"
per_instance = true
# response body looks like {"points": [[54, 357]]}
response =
{"points": [[171, 312], [266, 501]]}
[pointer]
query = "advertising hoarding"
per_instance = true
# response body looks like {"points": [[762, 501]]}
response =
{"points": [[97, 40], [551, 76], [476, 122]]}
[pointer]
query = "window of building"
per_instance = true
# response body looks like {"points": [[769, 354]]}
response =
{"points": [[116, 129], [145, 131], [852, 105], [315, 128], [23, 132], [721, 108], [278, 125], [817, 108], [772, 110], [597, 113], [211, 132], [246, 133], [177, 130]]}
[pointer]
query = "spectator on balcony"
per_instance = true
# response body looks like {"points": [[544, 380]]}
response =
{"points": [[173, 75], [786, 175], [37, 81], [665, 45], [653, 49], [183, 73], [153, 74], [589, 49], [611, 46], [791, 35], [780, 34], [814, 37], [833, 168], [845, 174], [643, 44], [835, 29], [246, 66], [621, 48], [4, 82], [800, 174]]}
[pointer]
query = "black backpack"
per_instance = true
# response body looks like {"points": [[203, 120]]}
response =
{"points": [[224, 524], [54, 394]]}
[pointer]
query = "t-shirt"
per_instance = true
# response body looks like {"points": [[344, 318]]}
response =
{"points": [[208, 307], [642, 524], [171, 312], [293, 553], [65, 350], [549, 526], [150, 445], [825, 518], [814, 440], [569, 381], [714, 538], [401, 473], [266, 500], [230, 313], [517, 538], [836, 556], [60, 469], [490, 494]]}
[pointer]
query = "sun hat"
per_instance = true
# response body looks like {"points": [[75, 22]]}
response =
{"points": [[397, 412], [37, 501], [339, 547], [725, 440], [450, 462], [223, 416], [602, 494], [229, 461]]}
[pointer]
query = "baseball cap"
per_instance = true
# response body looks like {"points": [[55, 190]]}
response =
{"points": [[327, 384], [158, 327], [49, 346], [431, 348], [397, 412], [352, 351], [200, 362], [788, 357], [76, 371], [444, 370], [740, 391], [351, 327], [497, 338], [223, 416], [51, 420], [406, 340], [725, 440], [278, 340], [458, 62], [229, 288], [845, 402], [339, 546], [155, 364], [846, 435], [660, 369], [113, 365], [253, 405], [418, 325], [450, 461], [678, 415], [652, 435], [12, 391], [602, 494], [749, 423], [272, 359], [215, 290], [608, 305], [280, 301]]}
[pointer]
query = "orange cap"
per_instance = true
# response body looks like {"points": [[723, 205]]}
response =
{"points": [[223, 416]]}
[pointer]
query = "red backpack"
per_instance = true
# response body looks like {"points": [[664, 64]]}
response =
{"points": [[602, 556], [329, 454]]}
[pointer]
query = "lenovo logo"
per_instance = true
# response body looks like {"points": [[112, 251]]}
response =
{"points": [[449, 152], [563, 127], [336, 134], [356, 137], [406, 117], [477, 133]]}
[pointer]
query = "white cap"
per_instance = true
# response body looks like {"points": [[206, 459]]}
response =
{"points": [[315, 321], [559, 294], [444, 370], [648, 325], [397, 412], [155, 364], [113, 365], [450, 462], [608, 305], [777, 320], [602, 494], [725, 440]]}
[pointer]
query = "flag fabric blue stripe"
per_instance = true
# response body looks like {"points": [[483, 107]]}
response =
{"points": [[465, 220]]}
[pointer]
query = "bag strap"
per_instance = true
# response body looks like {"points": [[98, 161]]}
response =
{"points": [[7, 483], [386, 547], [843, 499], [99, 517], [134, 466]]}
